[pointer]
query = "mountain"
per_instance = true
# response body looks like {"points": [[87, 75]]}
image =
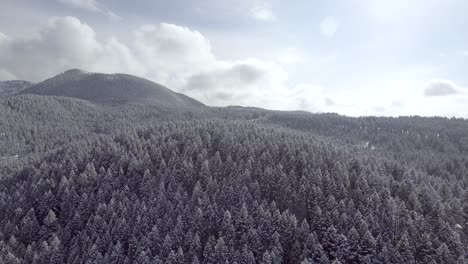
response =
{"points": [[9, 88], [111, 88]]}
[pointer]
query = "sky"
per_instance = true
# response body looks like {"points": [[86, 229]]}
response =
{"points": [[352, 57]]}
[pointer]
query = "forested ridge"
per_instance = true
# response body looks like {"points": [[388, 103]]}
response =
{"points": [[84, 182], [9, 88]]}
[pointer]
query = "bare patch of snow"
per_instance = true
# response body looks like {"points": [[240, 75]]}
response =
{"points": [[255, 119], [9, 157]]}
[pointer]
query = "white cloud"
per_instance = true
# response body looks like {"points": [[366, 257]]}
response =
{"points": [[62, 43], [262, 11], [171, 52], [249, 82], [329, 26], [91, 5], [442, 88], [166, 53]]}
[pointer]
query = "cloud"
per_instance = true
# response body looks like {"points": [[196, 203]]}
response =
{"points": [[249, 82], [62, 43], [329, 26], [441, 88], [262, 11], [171, 53], [91, 5], [166, 53]]}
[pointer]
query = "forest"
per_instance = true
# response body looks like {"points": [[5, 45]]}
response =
{"points": [[89, 182]]}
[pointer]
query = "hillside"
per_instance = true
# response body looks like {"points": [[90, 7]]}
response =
{"points": [[111, 88], [9, 88]]}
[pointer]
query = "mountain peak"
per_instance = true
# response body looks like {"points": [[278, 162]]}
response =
{"points": [[72, 74], [75, 71]]}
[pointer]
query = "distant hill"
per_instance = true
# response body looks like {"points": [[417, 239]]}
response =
{"points": [[111, 88], [9, 88]]}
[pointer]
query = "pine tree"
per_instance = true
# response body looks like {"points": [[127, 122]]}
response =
{"points": [[227, 231], [29, 229], [194, 248], [57, 250], [405, 249], [167, 246], [425, 250], [266, 259], [443, 254], [180, 257], [242, 226], [354, 246], [277, 249], [367, 246], [143, 258], [221, 251], [209, 256], [116, 254]]}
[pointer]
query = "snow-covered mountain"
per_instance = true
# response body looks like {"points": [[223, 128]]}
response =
{"points": [[111, 88]]}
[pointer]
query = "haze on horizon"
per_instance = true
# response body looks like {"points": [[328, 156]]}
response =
{"points": [[358, 57]]}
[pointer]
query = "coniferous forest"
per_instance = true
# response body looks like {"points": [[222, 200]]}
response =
{"points": [[130, 181]]}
